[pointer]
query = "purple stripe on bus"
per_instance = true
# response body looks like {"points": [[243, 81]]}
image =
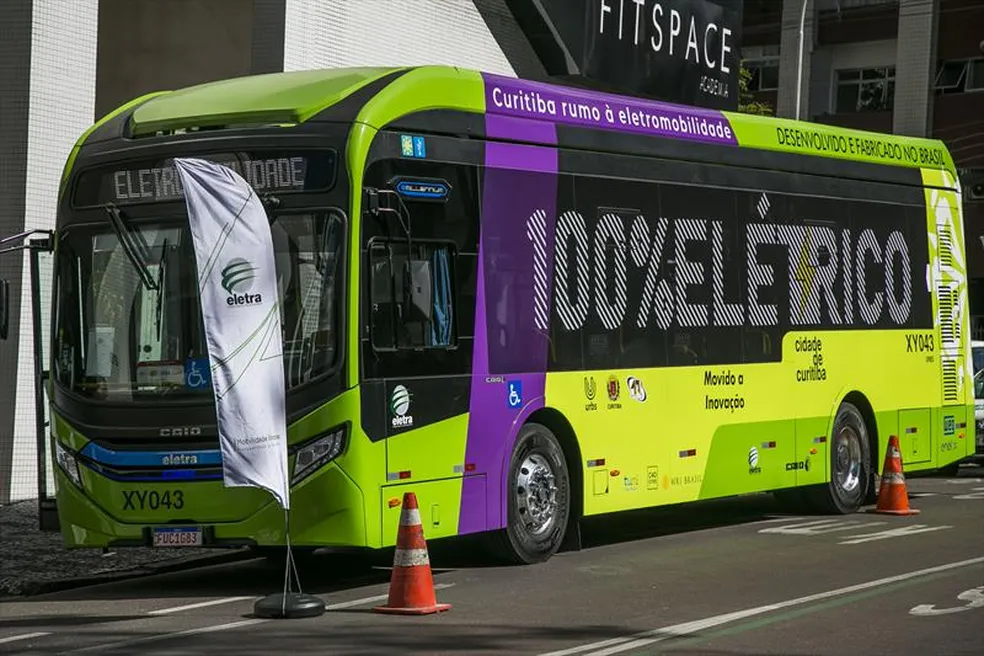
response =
{"points": [[537, 100], [520, 182]]}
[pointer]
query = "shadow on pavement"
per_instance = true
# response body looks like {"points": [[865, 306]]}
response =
{"points": [[404, 635], [325, 573], [60, 621]]}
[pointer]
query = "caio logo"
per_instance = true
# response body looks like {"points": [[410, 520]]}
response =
{"points": [[237, 279]]}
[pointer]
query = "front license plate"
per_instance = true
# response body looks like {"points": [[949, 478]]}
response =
{"points": [[177, 537]]}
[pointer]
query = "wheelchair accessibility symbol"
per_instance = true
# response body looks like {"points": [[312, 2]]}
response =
{"points": [[515, 393], [197, 373]]}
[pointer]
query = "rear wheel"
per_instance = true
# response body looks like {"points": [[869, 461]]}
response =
{"points": [[850, 464], [539, 496]]}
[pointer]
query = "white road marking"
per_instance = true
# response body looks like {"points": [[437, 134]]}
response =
{"points": [[977, 493], [783, 518], [974, 598], [823, 526], [819, 527], [370, 600], [165, 636], [203, 604], [899, 532], [231, 625], [23, 636], [617, 645]]}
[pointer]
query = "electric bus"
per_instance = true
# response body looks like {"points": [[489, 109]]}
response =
{"points": [[524, 302]]}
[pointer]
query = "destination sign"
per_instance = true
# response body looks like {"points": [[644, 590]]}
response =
{"points": [[155, 181]]}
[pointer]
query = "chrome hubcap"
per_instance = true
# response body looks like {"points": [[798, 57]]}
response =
{"points": [[847, 462], [536, 494]]}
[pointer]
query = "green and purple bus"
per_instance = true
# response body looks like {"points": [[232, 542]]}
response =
{"points": [[526, 303]]}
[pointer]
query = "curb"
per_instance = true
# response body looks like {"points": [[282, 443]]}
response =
{"points": [[34, 588]]}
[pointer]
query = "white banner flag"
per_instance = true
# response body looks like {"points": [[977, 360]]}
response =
{"points": [[237, 281]]}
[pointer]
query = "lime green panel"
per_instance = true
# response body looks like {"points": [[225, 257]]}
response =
{"points": [[85, 135], [750, 458], [272, 98], [439, 503], [888, 424], [204, 502], [363, 462], [953, 432], [812, 457], [691, 436], [421, 89], [803, 138], [915, 435], [431, 452], [360, 138], [328, 512], [61, 429]]}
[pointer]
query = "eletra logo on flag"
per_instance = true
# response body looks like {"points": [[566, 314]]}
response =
{"points": [[237, 279]]}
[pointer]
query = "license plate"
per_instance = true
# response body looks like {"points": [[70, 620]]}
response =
{"points": [[177, 537]]}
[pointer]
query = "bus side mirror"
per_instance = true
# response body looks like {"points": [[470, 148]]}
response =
{"points": [[4, 307]]}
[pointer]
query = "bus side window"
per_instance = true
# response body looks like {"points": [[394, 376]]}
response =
{"points": [[411, 295]]}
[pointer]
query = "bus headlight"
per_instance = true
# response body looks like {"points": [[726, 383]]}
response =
{"points": [[317, 452], [68, 463]]}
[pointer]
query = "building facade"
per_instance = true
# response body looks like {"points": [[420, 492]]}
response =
{"points": [[65, 63], [909, 66], [913, 67]]}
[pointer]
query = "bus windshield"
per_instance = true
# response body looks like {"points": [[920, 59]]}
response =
{"points": [[121, 335]]}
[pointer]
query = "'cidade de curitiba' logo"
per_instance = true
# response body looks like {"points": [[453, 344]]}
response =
{"points": [[237, 280], [400, 406]]}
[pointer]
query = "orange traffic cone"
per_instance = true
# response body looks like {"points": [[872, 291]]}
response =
{"points": [[412, 586], [893, 498]]}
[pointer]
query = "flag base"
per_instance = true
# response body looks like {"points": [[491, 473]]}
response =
{"points": [[290, 606]]}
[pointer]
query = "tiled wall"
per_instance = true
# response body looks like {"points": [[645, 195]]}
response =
{"points": [[15, 65], [62, 93], [384, 32]]}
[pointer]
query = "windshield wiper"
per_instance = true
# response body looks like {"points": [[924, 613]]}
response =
{"points": [[132, 249], [161, 266]]}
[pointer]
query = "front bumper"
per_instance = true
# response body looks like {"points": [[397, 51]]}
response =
{"points": [[326, 510]]}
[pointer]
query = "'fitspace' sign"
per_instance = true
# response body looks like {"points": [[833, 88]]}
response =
{"points": [[684, 51]]}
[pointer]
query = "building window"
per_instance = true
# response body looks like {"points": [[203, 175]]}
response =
{"points": [[865, 90], [763, 63], [960, 76]]}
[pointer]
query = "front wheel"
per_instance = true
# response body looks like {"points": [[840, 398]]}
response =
{"points": [[850, 464], [539, 495]]}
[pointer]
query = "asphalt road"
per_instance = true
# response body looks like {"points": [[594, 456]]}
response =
{"points": [[729, 577]]}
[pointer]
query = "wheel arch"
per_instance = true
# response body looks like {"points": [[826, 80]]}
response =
{"points": [[558, 424]]}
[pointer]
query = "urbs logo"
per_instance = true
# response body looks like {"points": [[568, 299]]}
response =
{"points": [[237, 280]]}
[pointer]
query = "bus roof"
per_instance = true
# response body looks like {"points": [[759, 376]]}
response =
{"points": [[292, 98]]}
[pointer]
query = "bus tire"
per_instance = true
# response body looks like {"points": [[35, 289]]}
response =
{"points": [[850, 465], [538, 499]]}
